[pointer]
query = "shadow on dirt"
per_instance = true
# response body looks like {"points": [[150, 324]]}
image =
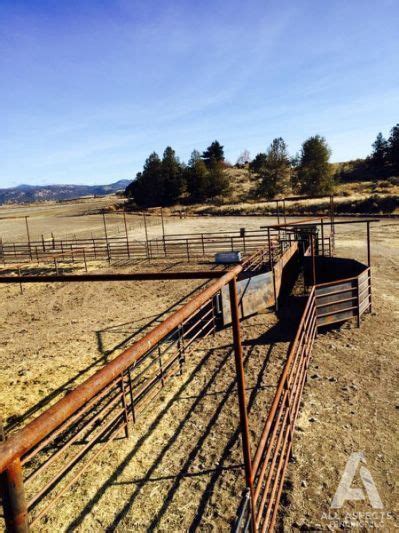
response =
{"points": [[223, 464], [13, 422]]}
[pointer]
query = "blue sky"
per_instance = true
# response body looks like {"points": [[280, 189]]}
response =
{"points": [[89, 88]]}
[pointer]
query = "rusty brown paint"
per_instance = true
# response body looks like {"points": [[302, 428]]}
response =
{"points": [[242, 401], [14, 501], [135, 276], [48, 421]]}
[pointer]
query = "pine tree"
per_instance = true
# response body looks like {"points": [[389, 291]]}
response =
{"points": [[314, 173], [258, 162], [171, 177], [146, 189], [393, 150], [197, 177], [218, 180], [379, 157], [275, 170], [213, 153]]}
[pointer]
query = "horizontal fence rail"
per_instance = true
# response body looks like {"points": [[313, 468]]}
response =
{"points": [[327, 303], [273, 451], [43, 460], [185, 246]]}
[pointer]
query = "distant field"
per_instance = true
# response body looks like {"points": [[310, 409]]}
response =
{"points": [[82, 218]]}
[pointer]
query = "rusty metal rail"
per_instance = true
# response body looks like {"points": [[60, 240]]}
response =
{"points": [[270, 461], [40, 462], [327, 303], [273, 451], [186, 246]]}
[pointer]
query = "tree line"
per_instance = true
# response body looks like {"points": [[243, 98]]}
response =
{"points": [[162, 182], [309, 172], [166, 181], [384, 159]]}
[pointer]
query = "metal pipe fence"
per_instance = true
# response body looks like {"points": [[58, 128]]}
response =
{"points": [[188, 247], [43, 460], [327, 303], [343, 299], [272, 454]]}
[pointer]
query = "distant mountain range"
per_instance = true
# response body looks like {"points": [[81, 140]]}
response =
{"points": [[38, 193]]}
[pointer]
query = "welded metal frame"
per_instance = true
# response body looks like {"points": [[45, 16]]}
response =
{"points": [[106, 404], [111, 390]]}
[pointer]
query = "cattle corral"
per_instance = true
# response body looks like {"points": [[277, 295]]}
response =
{"points": [[182, 465]]}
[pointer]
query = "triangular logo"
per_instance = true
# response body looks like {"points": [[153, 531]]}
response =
{"points": [[346, 492]]}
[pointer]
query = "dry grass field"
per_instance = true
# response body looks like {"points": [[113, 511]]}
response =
{"points": [[182, 467]]}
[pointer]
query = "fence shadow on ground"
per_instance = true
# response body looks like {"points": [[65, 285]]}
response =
{"points": [[101, 333], [214, 474], [15, 421]]}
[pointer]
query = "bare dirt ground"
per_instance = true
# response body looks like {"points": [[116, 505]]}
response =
{"points": [[182, 467]]}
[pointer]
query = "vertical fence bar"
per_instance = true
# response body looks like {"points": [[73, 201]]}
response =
{"points": [[14, 501], [94, 246], [127, 234], [163, 232], [368, 245], [124, 405], [180, 348], [106, 237], [313, 259], [146, 236], [28, 236], [131, 395], [269, 243], [160, 365], [238, 357]]}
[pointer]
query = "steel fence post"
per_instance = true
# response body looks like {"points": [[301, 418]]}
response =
{"points": [[238, 357], [14, 501]]}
